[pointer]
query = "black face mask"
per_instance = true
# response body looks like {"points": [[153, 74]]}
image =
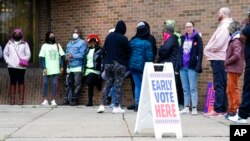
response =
{"points": [[17, 38], [52, 40]]}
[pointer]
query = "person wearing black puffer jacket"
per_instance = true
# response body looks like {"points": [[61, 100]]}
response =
{"points": [[115, 61]]}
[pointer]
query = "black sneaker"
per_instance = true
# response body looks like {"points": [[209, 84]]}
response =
{"points": [[89, 104], [131, 107]]}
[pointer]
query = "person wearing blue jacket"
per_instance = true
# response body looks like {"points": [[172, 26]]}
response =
{"points": [[141, 52], [75, 52]]}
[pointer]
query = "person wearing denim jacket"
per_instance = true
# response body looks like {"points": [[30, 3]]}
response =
{"points": [[75, 52]]}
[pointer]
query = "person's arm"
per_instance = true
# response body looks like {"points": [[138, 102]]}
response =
{"points": [[6, 53], [82, 51], [27, 52], [149, 53], [200, 55], [236, 53], [221, 38]]}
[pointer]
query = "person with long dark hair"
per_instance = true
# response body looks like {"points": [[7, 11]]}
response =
{"points": [[52, 58]]}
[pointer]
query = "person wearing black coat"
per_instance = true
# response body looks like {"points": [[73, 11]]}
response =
{"points": [[115, 61], [92, 66]]}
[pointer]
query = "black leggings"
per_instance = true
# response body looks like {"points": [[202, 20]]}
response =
{"points": [[16, 76]]}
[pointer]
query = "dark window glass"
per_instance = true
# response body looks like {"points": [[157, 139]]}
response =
{"points": [[17, 14]]}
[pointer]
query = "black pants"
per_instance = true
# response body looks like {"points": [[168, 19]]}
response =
{"points": [[92, 80], [220, 82], [179, 89], [16, 76], [244, 109]]}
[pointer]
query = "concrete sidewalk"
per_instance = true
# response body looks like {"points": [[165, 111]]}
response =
{"points": [[80, 123]]}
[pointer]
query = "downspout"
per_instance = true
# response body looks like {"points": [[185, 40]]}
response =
{"points": [[49, 14]]}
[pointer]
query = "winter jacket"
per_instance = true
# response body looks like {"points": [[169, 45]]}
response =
{"points": [[169, 51], [234, 61], [196, 53], [78, 49], [12, 51], [116, 46], [97, 59], [141, 52], [217, 45]]}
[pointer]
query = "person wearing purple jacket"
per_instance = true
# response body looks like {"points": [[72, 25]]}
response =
{"points": [[190, 64]]}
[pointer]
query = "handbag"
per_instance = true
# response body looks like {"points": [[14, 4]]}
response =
{"points": [[22, 62]]}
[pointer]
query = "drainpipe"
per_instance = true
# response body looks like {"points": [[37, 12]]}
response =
{"points": [[49, 14]]}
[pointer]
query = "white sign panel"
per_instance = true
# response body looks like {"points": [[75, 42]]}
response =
{"points": [[158, 105]]}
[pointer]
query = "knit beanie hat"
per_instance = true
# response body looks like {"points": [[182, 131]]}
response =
{"points": [[170, 22]]}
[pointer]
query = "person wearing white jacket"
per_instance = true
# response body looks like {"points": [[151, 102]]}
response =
{"points": [[16, 49], [215, 51]]}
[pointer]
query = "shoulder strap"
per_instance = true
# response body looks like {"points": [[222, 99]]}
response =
{"points": [[17, 53]]}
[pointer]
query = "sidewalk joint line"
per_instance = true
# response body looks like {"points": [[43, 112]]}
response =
{"points": [[19, 128]]}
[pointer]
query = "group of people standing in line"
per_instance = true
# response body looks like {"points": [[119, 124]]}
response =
{"points": [[226, 50]]}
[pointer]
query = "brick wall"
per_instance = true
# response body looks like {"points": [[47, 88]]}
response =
{"points": [[98, 16]]}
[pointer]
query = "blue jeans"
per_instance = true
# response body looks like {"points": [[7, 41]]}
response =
{"points": [[46, 84], [220, 83], [137, 76], [189, 80]]}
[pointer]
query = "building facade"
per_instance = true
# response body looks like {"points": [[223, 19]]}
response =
{"points": [[98, 16]]}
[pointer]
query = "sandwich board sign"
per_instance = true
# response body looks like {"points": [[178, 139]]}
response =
{"points": [[158, 105]]}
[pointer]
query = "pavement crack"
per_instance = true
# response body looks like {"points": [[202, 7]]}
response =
{"points": [[130, 134], [32, 120]]}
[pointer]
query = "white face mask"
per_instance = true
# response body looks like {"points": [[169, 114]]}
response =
{"points": [[75, 36]]}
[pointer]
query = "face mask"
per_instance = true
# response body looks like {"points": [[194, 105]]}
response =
{"points": [[17, 38], [75, 36], [52, 40]]}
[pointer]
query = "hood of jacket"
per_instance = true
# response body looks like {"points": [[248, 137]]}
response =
{"points": [[121, 27], [17, 30]]}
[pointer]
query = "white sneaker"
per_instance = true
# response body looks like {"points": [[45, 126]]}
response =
{"points": [[53, 102], [194, 111], [101, 109], [45, 102], [118, 110], [237, 119], [185, 111]]}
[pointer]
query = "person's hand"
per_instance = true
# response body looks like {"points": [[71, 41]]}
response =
{"points": [[69, 56], [44, 71], [61, 70]]}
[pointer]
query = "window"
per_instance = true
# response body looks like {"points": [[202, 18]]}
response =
{"points": [[18, 14]]}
